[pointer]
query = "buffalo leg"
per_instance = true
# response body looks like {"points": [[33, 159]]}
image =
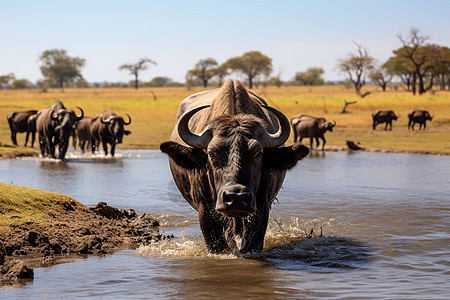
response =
{"points": [[105, 147], [210, 224], [323, 143], [26, 138], [317, 142], [33, 138], [13, 137], [42, 146], [255, 227], [113, 149]]}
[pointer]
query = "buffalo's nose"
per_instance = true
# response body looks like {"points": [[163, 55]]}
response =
{"points": [[239, 204]]}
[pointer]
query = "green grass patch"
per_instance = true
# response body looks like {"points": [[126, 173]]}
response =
{"points": [[20, 205]]}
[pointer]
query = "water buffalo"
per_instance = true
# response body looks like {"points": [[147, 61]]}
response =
{"points": [[419, 116], [384, 116], [305, 126], [108, 128], [228, 165], [19, 122], [55, 125], [83, 133]]}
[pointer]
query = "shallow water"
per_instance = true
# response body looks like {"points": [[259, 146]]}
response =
{"points": [[385, 217]]}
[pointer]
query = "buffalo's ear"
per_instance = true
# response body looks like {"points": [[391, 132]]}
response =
{"points": [[127, 132], [284, 158], [185, 157]]}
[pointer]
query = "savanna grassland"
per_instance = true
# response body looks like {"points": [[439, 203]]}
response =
{"points": [[153, 119]]}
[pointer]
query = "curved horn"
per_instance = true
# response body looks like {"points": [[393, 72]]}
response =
{"points": [[197, 141], [107, 120], [334, 123], [129, 120], [54, 116], [82, 114], [281, 136]]}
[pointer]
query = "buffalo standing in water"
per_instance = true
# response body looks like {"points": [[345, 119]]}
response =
{"points": [[419, 116], [305, 126], [19, 121], [55, 125], [228, 165], [384, 116], [108, 128]]}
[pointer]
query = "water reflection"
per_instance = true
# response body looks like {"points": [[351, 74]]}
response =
{"points": [[230, 279]]}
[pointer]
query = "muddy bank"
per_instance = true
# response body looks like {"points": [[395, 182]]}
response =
{"points": [[98, 230]]}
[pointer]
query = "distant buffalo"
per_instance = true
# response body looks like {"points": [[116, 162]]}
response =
{"points": [[19, 122], [305, 126], [83, 134], [55, 125], [384, 116], [108, 128], [419, 116]]}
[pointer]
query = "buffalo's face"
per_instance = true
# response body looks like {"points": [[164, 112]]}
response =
{"points": [[66, 120], [234, 160], [234, 168], [116, 127]]}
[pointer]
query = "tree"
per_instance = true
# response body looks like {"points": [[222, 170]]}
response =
{"points": [[204, 71], [136, 68], [251, 64], [5, 80], [424, 58], [356, 66], [312, 76], [402, 68], [20, 84], [221, 72], [59, 68], [382, 76]]}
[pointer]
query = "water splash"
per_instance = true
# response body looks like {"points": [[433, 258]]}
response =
{"points": [[289, 244]]}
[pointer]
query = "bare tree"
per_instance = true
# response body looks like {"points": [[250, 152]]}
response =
{"points": [[356, 66], [382, 76], [136, 68]]}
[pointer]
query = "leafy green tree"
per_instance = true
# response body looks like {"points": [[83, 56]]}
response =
{"points": [[159, 81], [21, 84], [58, 68], [356, 67], [402, 68], [426, 59], [204, 71], [312, 76], [251, 64], [5, 80], [221, 73], [136, 68]]}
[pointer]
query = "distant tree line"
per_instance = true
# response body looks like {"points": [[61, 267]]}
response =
{"points": [[416, 64]]}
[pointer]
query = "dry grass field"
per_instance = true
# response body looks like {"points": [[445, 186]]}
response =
{"points": [[153, 120]]}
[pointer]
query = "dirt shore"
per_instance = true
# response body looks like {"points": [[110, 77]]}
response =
{"points": [[99, 230]]}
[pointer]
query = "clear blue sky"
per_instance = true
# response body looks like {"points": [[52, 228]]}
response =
{"points": [[296, 34]]}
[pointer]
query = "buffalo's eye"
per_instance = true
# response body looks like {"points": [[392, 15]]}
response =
{"points": [[211, 154], [258, 155]]}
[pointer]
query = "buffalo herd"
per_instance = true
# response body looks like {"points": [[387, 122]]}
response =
{"points": [[227, 153], [55, 125]]}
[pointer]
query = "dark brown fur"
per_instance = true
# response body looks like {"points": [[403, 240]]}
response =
{"points": [[234, 161], [18, 122]]}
